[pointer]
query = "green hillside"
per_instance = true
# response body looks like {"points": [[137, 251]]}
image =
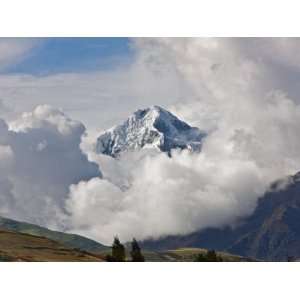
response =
{"points": [[15, 246], [68, 240], [189, 255]]}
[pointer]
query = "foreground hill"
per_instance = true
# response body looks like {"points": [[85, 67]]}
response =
{"points": [[16, 246], [68, 240], [189, 255], [271, 233]]}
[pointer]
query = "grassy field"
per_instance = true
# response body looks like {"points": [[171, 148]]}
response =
{"points": [[67, 239], [189, 254], [16, 246]]}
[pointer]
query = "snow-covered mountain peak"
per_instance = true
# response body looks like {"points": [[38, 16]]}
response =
{"points": [[153, 127]]}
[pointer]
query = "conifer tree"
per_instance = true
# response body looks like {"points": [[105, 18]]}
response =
{"points": [[211, 256], [136, 254], [118, 250]]}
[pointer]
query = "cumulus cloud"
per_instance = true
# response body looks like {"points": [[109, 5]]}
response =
{"points": [[166, 196], [40, 157]]}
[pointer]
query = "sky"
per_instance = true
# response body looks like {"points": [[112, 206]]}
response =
{"points": [[83, 76], [58, 95], [66, 55]]}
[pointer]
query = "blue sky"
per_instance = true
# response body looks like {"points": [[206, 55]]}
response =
{"points": [[59, 55]]}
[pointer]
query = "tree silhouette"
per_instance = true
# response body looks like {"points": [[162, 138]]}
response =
{"points": [[201, 257], [136, 254], [209, 256], [118, 250]]}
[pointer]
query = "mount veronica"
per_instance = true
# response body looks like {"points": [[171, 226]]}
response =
{"points": [[153, 128]]}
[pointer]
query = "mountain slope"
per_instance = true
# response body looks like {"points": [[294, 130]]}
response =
{"points": [[15, 246], [153, 127], [271, 233], [68, 240]]}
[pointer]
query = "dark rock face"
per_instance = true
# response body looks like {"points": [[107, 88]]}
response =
{"points": [[272, 233]]}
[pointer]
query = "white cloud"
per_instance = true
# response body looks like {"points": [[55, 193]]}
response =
{"points": [[42, 157], [167, 196]]}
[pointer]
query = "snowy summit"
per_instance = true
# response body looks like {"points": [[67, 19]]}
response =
{"points": [[153, 127]]}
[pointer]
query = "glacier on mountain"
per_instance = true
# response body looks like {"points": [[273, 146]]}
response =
{"points": [[153, 127]]}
